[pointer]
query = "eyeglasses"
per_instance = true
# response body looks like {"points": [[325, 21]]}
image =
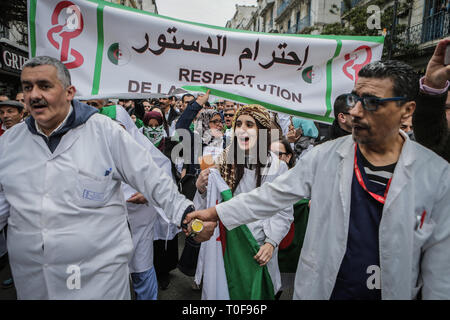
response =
{"points": [[280, 154], [369, 103], [216, 122], [228, 115]]}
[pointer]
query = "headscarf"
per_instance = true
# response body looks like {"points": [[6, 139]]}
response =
{"points": [[202, 127], [308, 127], [260, 114], [155, 135]]}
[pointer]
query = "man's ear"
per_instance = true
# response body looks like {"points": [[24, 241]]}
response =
{"points": [[408, 110], [341, 118], [70, 91], [289, 157]]}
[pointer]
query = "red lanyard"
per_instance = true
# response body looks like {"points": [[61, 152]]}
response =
{"points": [[381, 199]]}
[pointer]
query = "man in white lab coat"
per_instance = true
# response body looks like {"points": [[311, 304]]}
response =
{"points": [[379, 223], [67, 224]]}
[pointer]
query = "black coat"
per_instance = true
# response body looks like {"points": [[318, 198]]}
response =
{"points": [[430, 124]]}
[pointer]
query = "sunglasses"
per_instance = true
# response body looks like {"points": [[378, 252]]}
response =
{"points": [[369, 103], [228, 114]]}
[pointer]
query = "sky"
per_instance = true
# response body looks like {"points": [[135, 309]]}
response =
{"points": [[212, 12]]}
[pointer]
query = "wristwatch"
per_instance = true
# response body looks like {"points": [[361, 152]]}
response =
{"points": [[196, 227]]}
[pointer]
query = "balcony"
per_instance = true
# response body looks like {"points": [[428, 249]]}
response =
{"points": [[304, 23], [284, 5], [353, 4], [266, 5], [292, 29], [434, 27]]}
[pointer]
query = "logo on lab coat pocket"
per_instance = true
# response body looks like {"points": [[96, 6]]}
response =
{"points": [[92, 195]]}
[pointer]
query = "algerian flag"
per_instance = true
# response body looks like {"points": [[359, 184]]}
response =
{"points": [[291, 246], [118, 55], [226, 260]]}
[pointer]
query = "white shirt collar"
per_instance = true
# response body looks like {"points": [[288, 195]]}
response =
{"points": [[60, 125]]}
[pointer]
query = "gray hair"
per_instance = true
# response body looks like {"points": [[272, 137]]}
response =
{"points": [[62, 72]]}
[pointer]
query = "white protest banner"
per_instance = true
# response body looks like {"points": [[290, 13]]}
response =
{"points": [[111, 49]]}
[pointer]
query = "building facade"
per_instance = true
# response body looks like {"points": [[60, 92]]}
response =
{"points": [[284, 16], [427, 22], [420, 24], [242, 17]]}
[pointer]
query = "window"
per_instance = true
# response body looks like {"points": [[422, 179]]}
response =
{"points": [[4, 32]]}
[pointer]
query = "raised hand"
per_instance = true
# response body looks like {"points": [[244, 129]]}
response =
{"points": [[437, 73]]}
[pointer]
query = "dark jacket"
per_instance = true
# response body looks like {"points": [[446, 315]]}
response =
{"points": [[430, 124], [335, 131], [184, 122], [173, 114]]}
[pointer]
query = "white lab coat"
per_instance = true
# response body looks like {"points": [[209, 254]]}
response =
{"points": [[272, 229], [410, 258], [65, 212], [143, 218], [162, 228]]}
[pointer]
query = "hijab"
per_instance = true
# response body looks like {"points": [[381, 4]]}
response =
{"points": [[202, 128], [155, 135], [226, 168]]}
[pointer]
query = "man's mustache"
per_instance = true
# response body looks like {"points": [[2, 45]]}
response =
{"points": [[38, 102]]}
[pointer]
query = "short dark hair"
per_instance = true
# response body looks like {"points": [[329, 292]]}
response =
{"points": [[404, 77], [340, 105], [290, 151], [187, 95]]}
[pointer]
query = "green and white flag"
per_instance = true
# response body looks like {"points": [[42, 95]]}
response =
{"points": [[226, 261], [111, 49]]}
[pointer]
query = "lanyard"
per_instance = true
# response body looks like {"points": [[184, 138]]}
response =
{"points": [[381, 199]]}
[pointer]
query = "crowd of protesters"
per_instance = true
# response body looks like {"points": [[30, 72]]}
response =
{"points": [[360, 212]]}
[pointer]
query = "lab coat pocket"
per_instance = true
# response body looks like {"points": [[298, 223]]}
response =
{"points": [[93, 191], [422, 233]]}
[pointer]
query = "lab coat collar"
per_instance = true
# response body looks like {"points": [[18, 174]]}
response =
{"points": [[400, 178], [80, 114]]}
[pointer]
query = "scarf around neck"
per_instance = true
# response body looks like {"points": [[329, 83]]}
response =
{"points": [[155, 135]]}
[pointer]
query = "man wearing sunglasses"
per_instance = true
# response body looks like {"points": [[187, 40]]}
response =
{"points": [[379, 223], [228, 114]]}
